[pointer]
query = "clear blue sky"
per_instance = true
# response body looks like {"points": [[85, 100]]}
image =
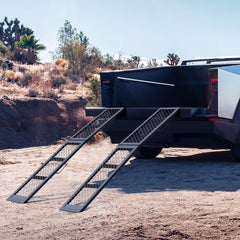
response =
{"points": [[147, 28]]}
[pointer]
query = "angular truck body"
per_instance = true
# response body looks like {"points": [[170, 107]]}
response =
{"points": [[207, 94]]}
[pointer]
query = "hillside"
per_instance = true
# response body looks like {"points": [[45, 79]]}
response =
{"points": [[40, 104]]}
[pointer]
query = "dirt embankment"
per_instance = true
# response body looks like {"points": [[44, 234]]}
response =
{"points": [[31, 122]]}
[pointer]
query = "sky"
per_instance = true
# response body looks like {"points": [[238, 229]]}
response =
{"points": [[146, 28]]}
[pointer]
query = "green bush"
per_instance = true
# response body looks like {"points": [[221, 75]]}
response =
{"points": [[94, 90], [20, 55], [4, 66], [3, 48], [32, 92], [27, 78], [58, 81], [50, 94]]}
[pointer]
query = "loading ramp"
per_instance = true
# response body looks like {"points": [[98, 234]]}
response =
{"points": [[58, 160], [95, 183]]}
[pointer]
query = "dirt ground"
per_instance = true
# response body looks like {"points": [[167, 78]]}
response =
{"points": [[181, 194]]}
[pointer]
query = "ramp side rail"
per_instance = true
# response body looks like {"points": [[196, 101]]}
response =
{"points": [[94, 184], [48, 169]]}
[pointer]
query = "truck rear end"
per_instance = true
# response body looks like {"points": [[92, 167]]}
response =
{"points": [[197, 89]]}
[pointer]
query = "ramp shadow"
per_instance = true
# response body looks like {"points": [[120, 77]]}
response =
{"points": [[213, 171]]}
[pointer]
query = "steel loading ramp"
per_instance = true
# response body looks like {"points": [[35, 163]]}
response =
{"points": [[86, 193], [44, 173]]}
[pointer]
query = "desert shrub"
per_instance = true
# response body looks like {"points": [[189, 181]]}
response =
{"points": [[32, 92], [4, 66], [31, 57], [73, 77], [24, 56], [14, 76], [3, 48], [50, 94], [54, 71], [94, 90], [32, 78], [61, 62], [27, 78], [71, 86], [58, 81], [61, 89], [11, 76], [20, 55], [22, 69], [18, 76]]}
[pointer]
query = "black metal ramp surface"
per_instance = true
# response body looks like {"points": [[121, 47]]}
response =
{"points": [[41, 176], [85, 194]]}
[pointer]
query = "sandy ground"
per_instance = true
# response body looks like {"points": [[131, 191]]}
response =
{"points": [[181, 194]]}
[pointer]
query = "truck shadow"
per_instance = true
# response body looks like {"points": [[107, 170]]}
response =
{"points": [[213, 171]]}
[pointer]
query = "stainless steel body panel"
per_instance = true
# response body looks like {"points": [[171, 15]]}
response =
{"points": [[228, 91]]}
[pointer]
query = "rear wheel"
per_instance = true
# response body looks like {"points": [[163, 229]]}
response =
{"points": [[147, 152], [236, 151]]}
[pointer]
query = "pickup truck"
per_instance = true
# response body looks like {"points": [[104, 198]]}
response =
{"points": [[192, 105], [207, 91]]}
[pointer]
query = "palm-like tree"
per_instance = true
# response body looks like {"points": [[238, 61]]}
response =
{"points": [[31, 46], [172, 59], [30, 43]]}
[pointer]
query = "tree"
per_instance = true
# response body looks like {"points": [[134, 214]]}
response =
{"points": [[30, 43], [94, 90], [134, 61], [107, 60], [74, 47], [152, 63], [10, 32], [172, 59], [31, 46], [3, 49]]}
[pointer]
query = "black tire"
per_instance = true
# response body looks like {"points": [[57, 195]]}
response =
{"points": [[147, 152], [236, 151]]}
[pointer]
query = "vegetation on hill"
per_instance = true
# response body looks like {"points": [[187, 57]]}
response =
{"points": [[19, 42], [75, 70]]}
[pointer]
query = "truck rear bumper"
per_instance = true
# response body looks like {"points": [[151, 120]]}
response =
{"points": [[191, 128], [143, 113]]}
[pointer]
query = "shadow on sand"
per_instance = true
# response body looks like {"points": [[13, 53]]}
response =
{"points": [[213, 171]]}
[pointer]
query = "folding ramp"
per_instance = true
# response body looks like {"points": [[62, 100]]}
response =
{"points": [[116, 159], [41, 176]]}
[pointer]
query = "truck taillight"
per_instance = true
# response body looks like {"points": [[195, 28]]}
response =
{"points": [[213, 93], [106, 82], [214, 80]]}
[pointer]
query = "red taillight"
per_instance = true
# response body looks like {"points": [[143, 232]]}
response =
{"points": [[213, 119], [214, 80], [106, 82], [213, 94]]}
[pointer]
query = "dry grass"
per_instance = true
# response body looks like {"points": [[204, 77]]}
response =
{"points": [[51, 80], [62, 63]]}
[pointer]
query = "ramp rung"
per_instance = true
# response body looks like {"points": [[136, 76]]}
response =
{"points": [[76, 140], [39, 177], [32, 185], [92, 185], [58, 159], [116, 159], [110, 166]]}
